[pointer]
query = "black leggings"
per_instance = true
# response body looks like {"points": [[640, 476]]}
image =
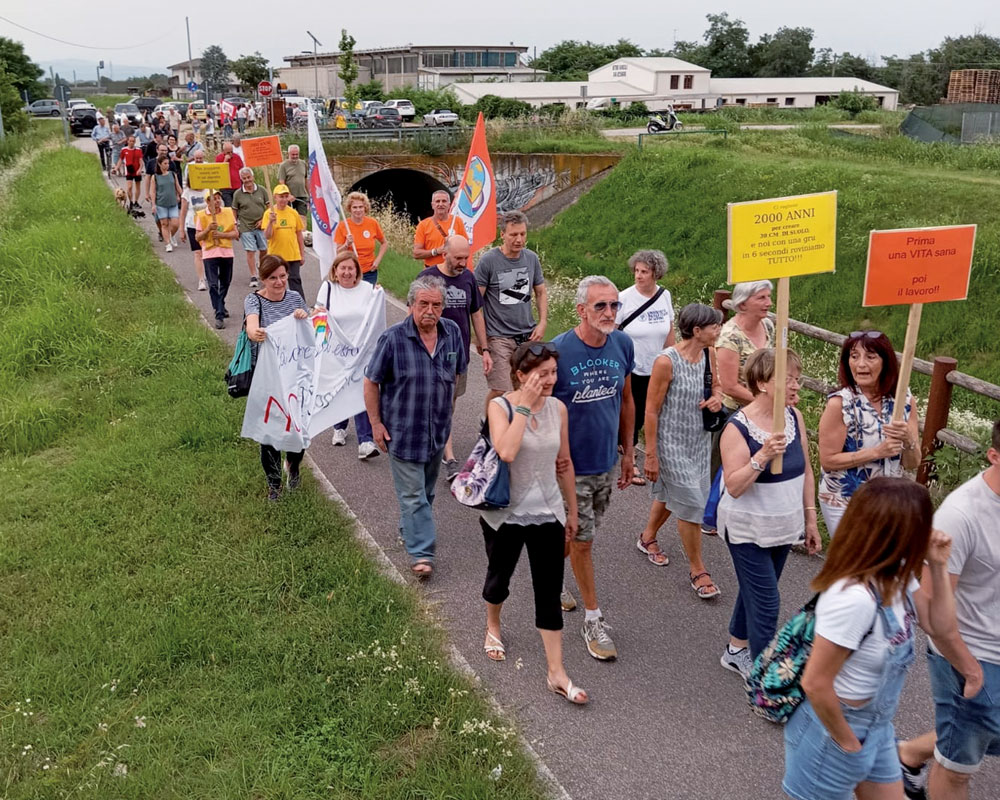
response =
{"points": [[640, 386], [270, 459], [545, 545]]}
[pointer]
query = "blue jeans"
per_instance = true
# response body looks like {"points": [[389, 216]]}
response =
{"points": [[218, 276], [968, 730], [371, 277], [755, 614], [415, 482], [362, 426]]}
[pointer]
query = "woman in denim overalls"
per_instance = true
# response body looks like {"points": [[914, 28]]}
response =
{"points": [[838, 746]]}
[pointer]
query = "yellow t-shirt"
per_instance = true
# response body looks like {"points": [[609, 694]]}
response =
{"points": [[284, 242], [225, 222]]}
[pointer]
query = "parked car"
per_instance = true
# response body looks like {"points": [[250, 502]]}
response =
{"points": [[146, 104], [381, 117], [82, 119], [130, 110], [45, 108], [164, 107], [182, 106], [197, 110], [76, 101], [441, 116], [405, 108]]}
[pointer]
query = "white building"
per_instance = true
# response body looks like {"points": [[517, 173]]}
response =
{"points": [[182, 73], [658, 82]]}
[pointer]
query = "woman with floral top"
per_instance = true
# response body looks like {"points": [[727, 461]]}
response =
{"points": [[858, 440]]}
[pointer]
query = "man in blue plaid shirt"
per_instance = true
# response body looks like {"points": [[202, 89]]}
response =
{"points": [[409, 390]]}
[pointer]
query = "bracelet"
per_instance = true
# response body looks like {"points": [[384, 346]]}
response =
{"points": [[522, 410], [809, 508], [487, 350]]}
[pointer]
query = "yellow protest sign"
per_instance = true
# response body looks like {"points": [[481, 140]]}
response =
{"points": [[209, 176], [782, 237]]}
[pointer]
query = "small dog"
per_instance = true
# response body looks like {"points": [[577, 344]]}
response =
{"points": [[137, 213], [121, 198]]}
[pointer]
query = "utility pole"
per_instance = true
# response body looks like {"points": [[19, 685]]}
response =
{"points": [[59, 92], [190, 68], [2, 134], [316, 43]]}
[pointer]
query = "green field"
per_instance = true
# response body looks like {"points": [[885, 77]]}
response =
{"points": [[164, 631]]}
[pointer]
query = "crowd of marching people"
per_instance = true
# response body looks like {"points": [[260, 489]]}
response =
{"points": [[566, 416]]}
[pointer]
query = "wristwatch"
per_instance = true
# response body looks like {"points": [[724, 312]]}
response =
{"points": [[755, 466]]}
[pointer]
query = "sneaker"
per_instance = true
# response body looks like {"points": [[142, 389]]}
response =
{"points": [[202, 286], [294, 478], [450, 469], [599, 644], [709, 531], [566, 600], [170, 247], [739, 661], [914, 781], [254, 283], [366, 450], [159, 235], [220, 323], [273, 493], [339, 438]]}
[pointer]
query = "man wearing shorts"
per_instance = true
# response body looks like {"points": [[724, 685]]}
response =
{"points": [[594, 381], [965, 670], [462, 304], [250, 202], [131, 157], [507, 276]]}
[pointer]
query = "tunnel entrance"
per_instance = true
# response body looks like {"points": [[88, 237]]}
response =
{"points": [[408, 190]]}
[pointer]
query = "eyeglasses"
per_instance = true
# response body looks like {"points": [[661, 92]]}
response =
{"points": [[865, 335], [601, 305], [541, 348]]}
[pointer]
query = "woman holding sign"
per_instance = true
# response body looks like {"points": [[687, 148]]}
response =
{"points": [[858, 440], [262, 308], [359, 234], [215, 230]]}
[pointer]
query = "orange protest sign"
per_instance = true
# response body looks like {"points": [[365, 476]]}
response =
{"points": [[262, 151], [919, 265]]}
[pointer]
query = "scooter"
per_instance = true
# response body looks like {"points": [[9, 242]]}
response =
{"points": [[657, 124]]}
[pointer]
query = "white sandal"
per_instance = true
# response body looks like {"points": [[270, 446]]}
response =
{"points": [[495, 646], [571, 692]]}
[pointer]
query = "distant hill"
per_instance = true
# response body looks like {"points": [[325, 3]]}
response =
{"points": [[86, 69]]}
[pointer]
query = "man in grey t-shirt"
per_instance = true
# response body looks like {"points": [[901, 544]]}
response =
{"points": [[966, 684], [506, 277]]}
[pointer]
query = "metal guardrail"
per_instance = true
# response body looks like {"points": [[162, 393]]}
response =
{"points": [[392, 134], [723, 131]]}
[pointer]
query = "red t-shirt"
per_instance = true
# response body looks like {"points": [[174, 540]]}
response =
{"points": [[235, 165], [132, 156]]}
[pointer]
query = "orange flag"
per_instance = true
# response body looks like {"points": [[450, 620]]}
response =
{"points": [[476, 201]]}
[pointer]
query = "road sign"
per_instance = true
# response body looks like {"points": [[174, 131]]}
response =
{"points": [[265, 88], [192, 86]]}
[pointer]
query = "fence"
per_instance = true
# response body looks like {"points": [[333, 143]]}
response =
{"points": [[980, 126], [943, 374]]}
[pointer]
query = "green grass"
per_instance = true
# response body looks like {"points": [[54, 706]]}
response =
{"points": [[164, 632], [105, 101], [40, 132]]}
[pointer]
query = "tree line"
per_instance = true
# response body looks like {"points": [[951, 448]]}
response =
{"points": [[726, 49]]}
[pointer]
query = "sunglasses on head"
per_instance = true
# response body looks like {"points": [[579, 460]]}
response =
{"points": [[865, 335], [540, 348], [601, 305]]}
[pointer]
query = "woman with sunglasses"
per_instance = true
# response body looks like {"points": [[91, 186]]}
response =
{"points": [[530, 431], [678, 465], [858, 440]]}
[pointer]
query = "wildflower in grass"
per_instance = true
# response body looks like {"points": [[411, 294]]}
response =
{"points": [[120, 770], [140, 722], [496, 772]]}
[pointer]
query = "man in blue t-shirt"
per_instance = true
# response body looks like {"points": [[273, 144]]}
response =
{"points": [[594, 381], [462, 303]]}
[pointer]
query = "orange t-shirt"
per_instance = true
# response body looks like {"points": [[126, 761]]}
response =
{"points": [[428, 237], [365, 235]]}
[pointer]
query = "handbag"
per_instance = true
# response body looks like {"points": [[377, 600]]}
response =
{"points": [[239, 374], [484, 481], [631, 317], [711, 420]]}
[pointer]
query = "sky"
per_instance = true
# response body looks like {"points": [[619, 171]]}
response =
{"points": [[156, 37]]}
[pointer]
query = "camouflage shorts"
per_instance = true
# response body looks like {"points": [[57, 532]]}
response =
{"points": [[593, 493]]}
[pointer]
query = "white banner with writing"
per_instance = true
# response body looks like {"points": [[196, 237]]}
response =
{"points": [[309, 376]]}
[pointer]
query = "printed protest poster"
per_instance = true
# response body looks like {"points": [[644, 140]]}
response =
{"points": [[208, 176]]}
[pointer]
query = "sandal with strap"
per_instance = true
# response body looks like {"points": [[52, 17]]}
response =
{"points": [[571, 692], [707, 590], [657, 556], [422, 569], [494, 648]]}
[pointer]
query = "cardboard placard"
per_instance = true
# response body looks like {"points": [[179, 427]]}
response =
{"points": [[782, 237], [262, 150], [209, 176], [919, 265]]}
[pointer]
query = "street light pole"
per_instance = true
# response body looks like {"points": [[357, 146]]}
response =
{"points": [[316, 43]]}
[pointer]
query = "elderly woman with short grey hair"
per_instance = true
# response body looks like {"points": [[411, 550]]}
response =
{"points": [[647, 316], [678, 464]]}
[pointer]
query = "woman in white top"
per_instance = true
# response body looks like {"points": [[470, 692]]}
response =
{"points": [[194, 201], [647, 316], [762, 513], [345, 298], [530, 431], [840, 741]]}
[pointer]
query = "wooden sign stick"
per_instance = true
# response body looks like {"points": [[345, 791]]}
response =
{"points": [[780, 368], [906, 365], [267, 181]]}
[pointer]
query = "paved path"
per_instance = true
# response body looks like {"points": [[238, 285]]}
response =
{"points": [[665, 720]]}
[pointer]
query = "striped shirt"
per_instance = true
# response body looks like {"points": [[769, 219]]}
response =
{"points": [[416, 388], [270, 311]]}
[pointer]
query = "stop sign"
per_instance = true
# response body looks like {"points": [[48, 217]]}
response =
{"points": [[265, 88]]}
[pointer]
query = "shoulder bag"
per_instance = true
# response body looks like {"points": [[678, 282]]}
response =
{"points": [[484, 481], [632, 317], [711, 420], [239, 375]]}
